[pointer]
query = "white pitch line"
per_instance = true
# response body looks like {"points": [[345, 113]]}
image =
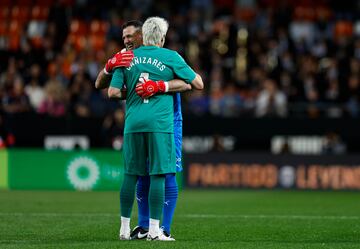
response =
{"points": [[61, 214], [196, 216], [273, 216]]}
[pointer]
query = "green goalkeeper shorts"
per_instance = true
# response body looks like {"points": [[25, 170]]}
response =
{"points": [[149, 153]]}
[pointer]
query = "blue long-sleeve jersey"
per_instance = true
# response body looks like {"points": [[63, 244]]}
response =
{"points": [[178, 130]]}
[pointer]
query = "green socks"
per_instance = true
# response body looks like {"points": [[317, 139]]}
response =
{"points": [[127, 195], [156, 196]]}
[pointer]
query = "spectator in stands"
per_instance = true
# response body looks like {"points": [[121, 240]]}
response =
{"points": [[216, 94], [306, 49], [7, 139], [353, 96], [231, 103], [100, 104], [36, 93], [334, 144], [54, 102], [79, 91], [15, 100], [34, 89], [332, 98], [197, 103], [8, 77], [271, 102], [112, 129], [218, 143]]}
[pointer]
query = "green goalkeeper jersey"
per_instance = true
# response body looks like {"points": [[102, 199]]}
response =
{"points": [[155, 114]]}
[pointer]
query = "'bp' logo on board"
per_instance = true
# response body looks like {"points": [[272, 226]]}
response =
{"points": [[83, 173]]}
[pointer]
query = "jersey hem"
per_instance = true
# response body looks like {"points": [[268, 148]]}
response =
{"points": [[147, 131]]}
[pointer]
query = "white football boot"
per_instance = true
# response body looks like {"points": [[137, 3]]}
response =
{"points": [[159, 236], [165, 233]]}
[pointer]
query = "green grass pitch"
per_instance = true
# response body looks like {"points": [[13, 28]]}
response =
{"points": [[203, 219]]}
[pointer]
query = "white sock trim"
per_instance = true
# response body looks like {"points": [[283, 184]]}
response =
{"points": [[154, 227], [125, 222], [125, 219]]}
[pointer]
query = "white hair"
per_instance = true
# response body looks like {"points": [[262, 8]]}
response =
{"points": [[154, 31]]}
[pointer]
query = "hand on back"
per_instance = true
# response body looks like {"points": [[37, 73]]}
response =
{"points": [[120, 59], [149, 87]]}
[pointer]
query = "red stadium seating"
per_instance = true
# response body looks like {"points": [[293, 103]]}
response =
{"points": [[46, 3], [97, 42], [343, 29], [98, 27], [15, 27], [4, 13], [14, 42], [39, 12], [3, 29], [78, 27], [23, 3], [79, 42], [4, 3], [20, 13]]}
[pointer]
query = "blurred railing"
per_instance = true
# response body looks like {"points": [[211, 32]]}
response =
{"points": [[244, 134]]}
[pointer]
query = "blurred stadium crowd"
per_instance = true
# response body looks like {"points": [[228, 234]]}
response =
{"points": [[266, 58]]}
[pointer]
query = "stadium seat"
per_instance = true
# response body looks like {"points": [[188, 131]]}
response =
{"points": [[39, 12], [97, 42], [15, 27], [36, 42], [14, 42], [3, 28], [245, 14], [4, 3], [4, 13], [20, 13], [98, 27], [68, 2], [79, 42], [304, 13], [44, 3], [323, 13], [343, 29], [78, 27], [23, 3]]}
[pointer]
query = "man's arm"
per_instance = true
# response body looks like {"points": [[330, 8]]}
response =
{"points": [[149, 87], [198, 83], [120, 59], [116, 93], [175, 85], [178, 85], [103, 80]]}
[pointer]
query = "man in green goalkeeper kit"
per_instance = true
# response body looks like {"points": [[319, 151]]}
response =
{"points": [[132, 38], [148, 133]]}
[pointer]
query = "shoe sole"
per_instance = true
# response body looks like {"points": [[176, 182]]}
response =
{"points": [[157, 239], [137, 237]]}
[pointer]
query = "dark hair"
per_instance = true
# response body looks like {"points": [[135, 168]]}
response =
{"points": [[137, 24]]}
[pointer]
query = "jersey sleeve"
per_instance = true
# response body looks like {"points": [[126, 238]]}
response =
{"points": [[117, 79], [182, 69]]}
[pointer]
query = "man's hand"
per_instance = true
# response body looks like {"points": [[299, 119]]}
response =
{"points": [[149, 88], [120, 59]]}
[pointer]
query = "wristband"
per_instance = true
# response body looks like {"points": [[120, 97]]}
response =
{"points": [[106, 72], [166, 86]]}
